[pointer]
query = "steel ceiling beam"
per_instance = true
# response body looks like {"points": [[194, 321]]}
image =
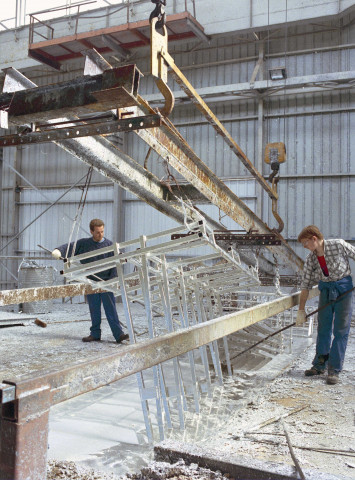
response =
{"points": [[293, 85]]}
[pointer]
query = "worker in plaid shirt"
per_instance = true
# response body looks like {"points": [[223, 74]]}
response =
{"points": [[328, 265]]}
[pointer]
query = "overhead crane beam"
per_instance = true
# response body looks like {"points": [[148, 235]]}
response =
{"points": [[170, 145]]}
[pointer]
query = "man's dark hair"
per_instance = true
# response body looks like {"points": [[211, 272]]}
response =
{"points": [[96, 222], [309, 232]]}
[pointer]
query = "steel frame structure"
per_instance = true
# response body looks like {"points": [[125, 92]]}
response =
{"points": [[184, 286]]}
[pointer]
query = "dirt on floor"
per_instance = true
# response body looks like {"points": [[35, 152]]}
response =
{"points": [[154, 471]]}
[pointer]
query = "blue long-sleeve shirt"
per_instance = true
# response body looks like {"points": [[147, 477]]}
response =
{"points": [[85, 245]]}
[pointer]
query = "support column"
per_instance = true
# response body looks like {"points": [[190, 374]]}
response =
{"points": [[14, 248], [260, 145], [118, 214], [24, 436]]}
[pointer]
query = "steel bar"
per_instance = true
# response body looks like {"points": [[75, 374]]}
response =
{"points": [[70, 382], [22, 295], [294, 458], [225, 339], [291, 86], [185, 322], [139, 375], [144, 277], [238, 240], [165, 295], [202, 349], [86, 130]]}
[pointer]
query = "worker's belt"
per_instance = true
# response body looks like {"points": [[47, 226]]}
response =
{"points": [[336, 288]]}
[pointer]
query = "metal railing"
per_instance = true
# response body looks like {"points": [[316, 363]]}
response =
{"points": [[36, 22]]}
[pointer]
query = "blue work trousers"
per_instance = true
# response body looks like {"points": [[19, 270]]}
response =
{"points": [[108, 301], [333, 327]]}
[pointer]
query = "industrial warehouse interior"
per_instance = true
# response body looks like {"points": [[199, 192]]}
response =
{"points": [[206, 149]]}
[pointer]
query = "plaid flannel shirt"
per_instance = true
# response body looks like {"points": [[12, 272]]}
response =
{"points": [[336, 253]]}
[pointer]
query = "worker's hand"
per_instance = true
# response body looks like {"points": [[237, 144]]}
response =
{"points": [[301, 318], [56, 254]]}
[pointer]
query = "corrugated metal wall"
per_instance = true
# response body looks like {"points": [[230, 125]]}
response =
{"points": [[316, 183]]}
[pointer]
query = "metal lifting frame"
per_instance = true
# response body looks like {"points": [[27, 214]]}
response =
{"points": [[161, 136], [184, 279]]}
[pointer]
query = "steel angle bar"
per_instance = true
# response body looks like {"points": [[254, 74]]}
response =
{"points": [[185, 322], [139, 375], [202, 349], [165, 297], [169, 144], [165, 247], [228, 268], [192, 227], [201, 317], [193, 260], [160, 387], [77, 131], [91, 268], [76, 259], [214, 344], [217, 297]]}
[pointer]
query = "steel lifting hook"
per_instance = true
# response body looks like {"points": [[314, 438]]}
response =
{"points": [[158, 13], [158, 67]]}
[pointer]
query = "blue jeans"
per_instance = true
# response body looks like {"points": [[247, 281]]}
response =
{"points": [[334, 320], [108, 301]]}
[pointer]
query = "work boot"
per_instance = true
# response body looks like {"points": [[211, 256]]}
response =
{"points": [[122, 337], [313, 371], [90, 338], [333, 377], [319, 366]]}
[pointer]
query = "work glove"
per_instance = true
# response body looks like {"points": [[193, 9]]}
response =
{"points": [[301, 318], [56, 254]]}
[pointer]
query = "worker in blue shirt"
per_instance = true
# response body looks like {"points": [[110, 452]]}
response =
{"points": [[107, 299]]}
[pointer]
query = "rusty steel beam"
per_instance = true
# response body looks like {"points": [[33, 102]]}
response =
{"points": [[172, 147], [111, 162], [24, 295], [115, 87], [86, 376], [217, 125]]}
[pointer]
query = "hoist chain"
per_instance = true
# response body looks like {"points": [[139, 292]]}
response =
{"points": [[159, 13]]}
